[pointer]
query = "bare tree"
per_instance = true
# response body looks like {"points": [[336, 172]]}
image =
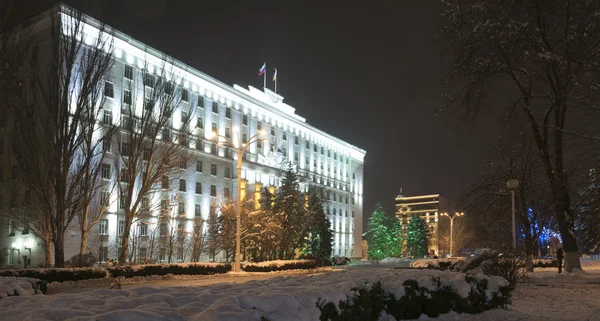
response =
{"points": [[66, 83], [198, 239], [539, 61], [150, 142]]}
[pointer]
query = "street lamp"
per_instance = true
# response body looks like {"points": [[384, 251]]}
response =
{"points": [[457, 214], [512, 185], [240, 149]]}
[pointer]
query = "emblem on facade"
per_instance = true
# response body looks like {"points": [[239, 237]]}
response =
{"points": [[275, 160]]}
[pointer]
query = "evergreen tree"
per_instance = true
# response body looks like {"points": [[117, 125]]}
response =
{"points": [[320, 236], [417, 238], [396, 239], [289, 210], [213, 232], [379, 236]]}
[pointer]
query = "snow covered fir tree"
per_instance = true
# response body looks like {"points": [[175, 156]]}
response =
{"points": [[417, 238], [384, 235]]}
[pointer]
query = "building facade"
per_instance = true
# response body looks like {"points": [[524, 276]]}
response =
{"points": [[428, 208], [318, 158]]}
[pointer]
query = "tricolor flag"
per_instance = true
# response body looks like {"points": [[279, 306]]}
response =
{"points": [[275, 75], [263, 69]]}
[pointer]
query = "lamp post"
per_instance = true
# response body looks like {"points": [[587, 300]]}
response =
{"points": [[513, 184], [457, 214], [240, 149]]}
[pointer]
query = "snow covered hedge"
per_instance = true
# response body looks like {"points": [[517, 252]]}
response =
{"points": [[129, 271], [440, 264], [12, 286], [279, 265], [430, 296], [58, 275]]}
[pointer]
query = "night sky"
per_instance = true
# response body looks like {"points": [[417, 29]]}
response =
{"points": [[371, 75]]}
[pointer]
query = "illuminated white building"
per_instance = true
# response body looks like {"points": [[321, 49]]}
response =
{"points": [[318, 157]]}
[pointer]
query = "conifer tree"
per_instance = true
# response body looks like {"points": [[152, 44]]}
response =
{"points": [[417, 238], [379, 236], [320, 236]]}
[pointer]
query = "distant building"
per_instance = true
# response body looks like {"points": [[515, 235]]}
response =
{"points": [[428, 207]]}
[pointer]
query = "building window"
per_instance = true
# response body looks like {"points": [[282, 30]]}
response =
{"points": [[106, 144], [128, 72], [284, 136], [200, 101], [125, 148], [165, 182], [272, 131], [215, 107], [214, 128], [106, 171], [259, 126], [11, 228], [213, 190], [183, 163], [259, 144], [143, 253], [185, 95], [226, 192], [213, 169], [123, 200], [306, 161], [163, 229], [109, 89], [228, 113], [149, 80], [143, 229], [213, 149], [107, 116], [353, 175], [181, 207], [296, 157], [307, 144], [227, 132], [198, 188], [245, 120], [148, 104], [227, 172], [198, 211], [127, 97], [315, 148], [244, 138], [198, 166], [184, 117], [121, 227], [182, 186], [103, 227], [296, 140], [25, 229], [103, 254], [200, 122]]}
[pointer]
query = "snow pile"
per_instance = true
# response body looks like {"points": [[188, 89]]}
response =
{"points": [[279, 298], [278, 263], [393, 260], [449, 263], [13, 286]]}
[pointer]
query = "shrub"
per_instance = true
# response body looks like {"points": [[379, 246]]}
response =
{"points": [[78, 260], [271, 266], [58, 275], [164, 269], [510, 268], [370, 302], [340, 260]]}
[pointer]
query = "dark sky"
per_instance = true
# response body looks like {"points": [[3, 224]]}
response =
{"points": [[369, 74]]}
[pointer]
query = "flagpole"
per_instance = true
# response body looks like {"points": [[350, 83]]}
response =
{"points": [[275, 80], [265, 77]]}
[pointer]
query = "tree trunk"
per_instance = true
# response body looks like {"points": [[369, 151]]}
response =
{"points": [[83, 245], [125, 239], [84, 230], [566, 225], [48, 249], [59, 249]]}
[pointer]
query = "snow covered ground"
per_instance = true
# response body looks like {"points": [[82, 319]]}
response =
{"points": [[279, 298]]}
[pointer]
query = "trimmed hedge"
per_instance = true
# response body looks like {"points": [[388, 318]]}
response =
{"points": [[58, 275], [291, 265], [164, 269], [371, 301]]}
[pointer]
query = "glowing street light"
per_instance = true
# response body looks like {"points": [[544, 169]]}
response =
{"points": [[457, 214], [240, 149]]}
